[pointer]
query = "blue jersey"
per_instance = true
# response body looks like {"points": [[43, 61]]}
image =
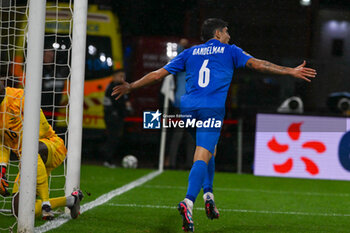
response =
{"points": [[209, 69]]}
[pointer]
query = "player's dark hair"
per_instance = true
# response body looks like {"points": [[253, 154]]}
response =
{"points": [[210, 26], [116, 71]]}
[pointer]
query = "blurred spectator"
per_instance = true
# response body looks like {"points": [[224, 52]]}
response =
{"points": [[114, 113], [54, 77], [180, 133]]}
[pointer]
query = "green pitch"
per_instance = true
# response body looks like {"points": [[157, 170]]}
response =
{"points": [[246, 204]]}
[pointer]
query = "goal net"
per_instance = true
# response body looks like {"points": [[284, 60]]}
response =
{"points": [[55, 83]]}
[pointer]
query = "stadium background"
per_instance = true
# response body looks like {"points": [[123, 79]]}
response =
{"points": [[284, 32]]}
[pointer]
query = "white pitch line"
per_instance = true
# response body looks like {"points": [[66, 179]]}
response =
{"points": [[5, 211], [236, 210], [99, 201], [254, 191]]}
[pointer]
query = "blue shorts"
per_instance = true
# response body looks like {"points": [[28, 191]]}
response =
{"points": [[206, 137]]}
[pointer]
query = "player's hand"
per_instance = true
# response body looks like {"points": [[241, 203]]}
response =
{"points": [[303, 72], [4, 186], [121, 90]]}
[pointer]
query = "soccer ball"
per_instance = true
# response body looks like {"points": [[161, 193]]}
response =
{"points": [[129, 161]]}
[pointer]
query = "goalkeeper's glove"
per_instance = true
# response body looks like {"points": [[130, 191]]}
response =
{"points": [[3, 187], [3, 182]]}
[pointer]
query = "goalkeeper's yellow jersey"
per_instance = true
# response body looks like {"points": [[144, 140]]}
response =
{"points": [[11, 124]]}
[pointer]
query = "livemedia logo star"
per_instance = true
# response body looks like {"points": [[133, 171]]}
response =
{"points": [[151, 120]]}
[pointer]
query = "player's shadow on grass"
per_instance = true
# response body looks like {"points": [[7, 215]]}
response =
{"points": [[168, 229], [170, 224]]}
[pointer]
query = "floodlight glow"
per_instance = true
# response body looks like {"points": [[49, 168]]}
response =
{"points": [[305, 2], [55, 45], [171, 50], [343, 25], [339, 26], [109, 61], [102, 57], [92, 49], [332, 24]]}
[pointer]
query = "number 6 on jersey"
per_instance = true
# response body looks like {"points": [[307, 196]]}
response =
{"points": [[204, 74]]}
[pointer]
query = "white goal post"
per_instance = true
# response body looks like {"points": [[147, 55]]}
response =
{"points": [[32, 107], [29, 159], [75, 127]]}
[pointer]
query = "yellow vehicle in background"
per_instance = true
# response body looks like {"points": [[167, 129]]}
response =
{"points": [[103, 54]]}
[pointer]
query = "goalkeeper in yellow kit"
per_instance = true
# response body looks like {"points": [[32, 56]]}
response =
{"points": [[52, 152]]}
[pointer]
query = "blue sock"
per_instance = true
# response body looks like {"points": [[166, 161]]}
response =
{"points": [[196, 179], [209, 178]]}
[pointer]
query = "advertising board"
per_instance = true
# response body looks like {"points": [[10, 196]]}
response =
{"points": [[302, 146]]}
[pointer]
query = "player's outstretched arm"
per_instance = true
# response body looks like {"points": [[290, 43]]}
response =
{"points": [[148, 79], [300, 71]]}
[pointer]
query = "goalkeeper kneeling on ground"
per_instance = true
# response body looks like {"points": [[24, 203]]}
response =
{"points": [[52, 152]]}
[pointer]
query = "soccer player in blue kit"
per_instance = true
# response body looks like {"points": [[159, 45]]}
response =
{"points": [[209, 69]]}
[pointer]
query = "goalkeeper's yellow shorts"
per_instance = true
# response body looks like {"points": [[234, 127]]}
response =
{"points": [[56, 152], [41, 179], [56, 155]]}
